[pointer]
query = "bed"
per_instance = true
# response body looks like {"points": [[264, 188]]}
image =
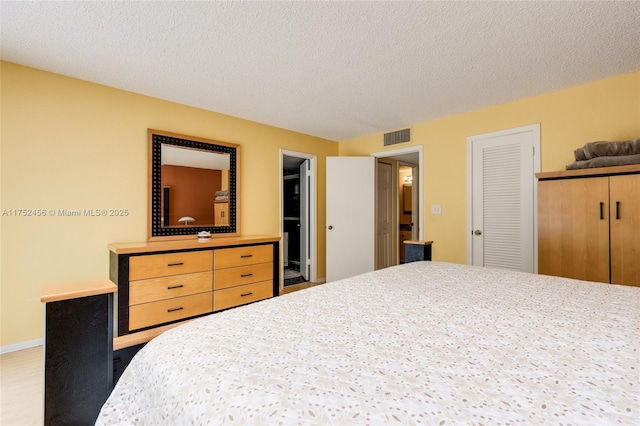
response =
{"points": [[420, 343]]}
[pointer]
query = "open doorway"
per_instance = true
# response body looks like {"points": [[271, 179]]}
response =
{"points": [[408, 206], [407, 222], [298, 202]]}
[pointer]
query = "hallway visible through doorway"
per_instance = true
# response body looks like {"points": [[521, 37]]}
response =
{"points": [[407, 199]]}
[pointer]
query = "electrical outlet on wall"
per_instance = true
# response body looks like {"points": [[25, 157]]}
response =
{"points": [[436, 208]]}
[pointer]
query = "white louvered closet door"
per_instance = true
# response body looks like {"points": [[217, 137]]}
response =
{"points": [[503, 231]]}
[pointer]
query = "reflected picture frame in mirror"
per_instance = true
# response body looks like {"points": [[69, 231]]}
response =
{"points": [[186, 229]]}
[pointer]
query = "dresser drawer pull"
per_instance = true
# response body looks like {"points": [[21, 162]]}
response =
{"points": [[246, 294], [175, 264], [176, 309], [244, 256], [171, 287], [246, 275]]}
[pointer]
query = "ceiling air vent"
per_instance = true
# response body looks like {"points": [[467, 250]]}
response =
{"points": [[396, 137]]}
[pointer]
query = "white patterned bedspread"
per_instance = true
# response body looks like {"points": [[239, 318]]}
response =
{"points": [[421, 343]]}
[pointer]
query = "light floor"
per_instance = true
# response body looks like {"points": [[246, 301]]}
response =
{"points": [[21, 387], [22, 382], [295, 287]]}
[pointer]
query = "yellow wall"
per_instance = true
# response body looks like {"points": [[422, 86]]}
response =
{"points": [[603, 110], [66, 143], [70, 144]]}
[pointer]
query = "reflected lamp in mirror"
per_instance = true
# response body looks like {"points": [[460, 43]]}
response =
{"points": [[189, 178], [186, 220]]}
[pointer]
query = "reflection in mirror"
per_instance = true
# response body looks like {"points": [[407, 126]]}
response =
{"points": [[193, 186]]}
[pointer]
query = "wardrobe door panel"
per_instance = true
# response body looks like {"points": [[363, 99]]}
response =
{"points": [[573, 228], [625, 229]]}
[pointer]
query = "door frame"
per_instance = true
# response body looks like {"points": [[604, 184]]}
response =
{"points": [[313, 201], [535, 130], [410, 150]]}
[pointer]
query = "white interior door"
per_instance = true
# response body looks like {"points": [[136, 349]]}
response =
{"points": [[350, 216], [304, 219], [503, 231]]}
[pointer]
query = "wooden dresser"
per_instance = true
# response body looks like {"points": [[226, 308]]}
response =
{"points": [[163, 282], [589, 224]]}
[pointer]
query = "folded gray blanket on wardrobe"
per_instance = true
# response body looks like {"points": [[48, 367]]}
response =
{"points": [[605, 149], [619, 160]]}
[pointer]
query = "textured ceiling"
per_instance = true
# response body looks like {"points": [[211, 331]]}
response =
{"points": [[337, 70]]}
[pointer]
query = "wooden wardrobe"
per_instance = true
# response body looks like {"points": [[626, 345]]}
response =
{"points": [[589, 224]]}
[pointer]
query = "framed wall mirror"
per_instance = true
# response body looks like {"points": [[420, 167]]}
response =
{"points": [[193, 186]]}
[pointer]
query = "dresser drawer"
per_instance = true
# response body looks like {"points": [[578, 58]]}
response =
{"points": [[240, 256], [154, 289], [235, 296], [161, 265], [149, 314], [232, 277]]}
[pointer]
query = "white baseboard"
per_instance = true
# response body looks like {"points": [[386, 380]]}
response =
{"points": [[21, 345]]}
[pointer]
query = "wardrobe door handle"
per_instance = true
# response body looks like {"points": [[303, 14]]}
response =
{"points": [[601, 211], [617, 210]]}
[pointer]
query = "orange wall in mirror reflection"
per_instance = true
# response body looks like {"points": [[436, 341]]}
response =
{"points": [[192, 193]]}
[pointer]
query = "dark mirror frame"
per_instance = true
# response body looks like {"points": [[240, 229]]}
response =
{"points": [[155, 229]]}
